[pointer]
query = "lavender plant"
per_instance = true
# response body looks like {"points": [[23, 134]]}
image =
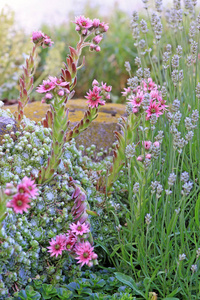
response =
{"points": [[158, 235]]}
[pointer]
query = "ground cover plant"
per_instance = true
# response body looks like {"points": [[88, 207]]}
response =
{"points": [[140, 206]]}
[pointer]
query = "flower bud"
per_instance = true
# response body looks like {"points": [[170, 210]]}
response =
{"points": [[96, 23], [95, 82], [97, 39], [61, 93], [37, 36], [97, 49]]}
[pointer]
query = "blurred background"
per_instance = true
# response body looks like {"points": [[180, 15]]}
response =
{"points": [[18, 18]]}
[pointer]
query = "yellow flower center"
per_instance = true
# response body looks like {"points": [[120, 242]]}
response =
{"points": [[19, 203]]}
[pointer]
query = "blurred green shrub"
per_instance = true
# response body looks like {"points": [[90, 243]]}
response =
{"points": [[13, 43]]}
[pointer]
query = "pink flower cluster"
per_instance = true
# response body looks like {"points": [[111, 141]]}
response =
{"points": [[157, 104], [147, 147], [75, 243], [85, 26], [26, 190], [98, 93], [51, 86], [39, 38]]}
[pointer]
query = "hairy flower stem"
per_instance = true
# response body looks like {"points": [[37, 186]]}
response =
{"points": [[57, 117], [26, 85]]}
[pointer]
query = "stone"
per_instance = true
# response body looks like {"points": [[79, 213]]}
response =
{"points": [[99, 133]]}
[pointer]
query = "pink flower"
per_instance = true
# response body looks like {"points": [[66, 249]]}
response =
{"points": [[95, 82], [137, 100], [37, 36], [31, 187], [104, 27], [156, 144], [47, 42], [71, 240], [83, 22], [151, 84], [19, 203], [79, 229], [153, 108], [22, 188], [127, 91], [140, 158], [58, 81], [57, 246], [162, 104], [148, 156], [92, 46], [46, 86], [98, 49], [84, 32], [155, 95], [84, 252], [135, 110], [96, 89], [96, 23], [61, 93], [48, 96], [78, 28], [106, 88], [94, 99], [97, 39], [147, 144], [7, 192]]}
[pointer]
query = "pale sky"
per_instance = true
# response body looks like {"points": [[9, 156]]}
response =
{"points": [[31, 13]]}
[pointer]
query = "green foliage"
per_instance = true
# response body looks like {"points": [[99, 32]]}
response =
{"points": [[101, 285]]}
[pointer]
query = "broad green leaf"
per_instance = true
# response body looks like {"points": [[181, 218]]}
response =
{"points": [[129, 281]]}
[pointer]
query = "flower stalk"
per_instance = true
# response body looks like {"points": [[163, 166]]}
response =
{"points": [[59, 90]]}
